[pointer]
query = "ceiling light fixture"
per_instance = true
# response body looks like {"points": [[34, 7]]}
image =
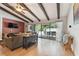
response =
{"points": [[20, 8]]}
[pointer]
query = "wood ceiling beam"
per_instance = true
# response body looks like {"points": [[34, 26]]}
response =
{"points": [[58, 10], [23, 5], [44, 11], [13, 14], [13, 9]]}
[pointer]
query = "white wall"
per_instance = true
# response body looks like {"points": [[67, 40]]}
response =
{"points": [[74, 31], [25, 27], [0, 28], [59, 32], [29, 29]]}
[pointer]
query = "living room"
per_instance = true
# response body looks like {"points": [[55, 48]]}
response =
{"points": [[18, 37]]}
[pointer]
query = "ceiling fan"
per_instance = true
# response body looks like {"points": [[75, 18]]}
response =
{"points": [[20, 8]]}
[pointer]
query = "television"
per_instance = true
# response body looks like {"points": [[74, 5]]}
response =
{"points": [[12, 25]]}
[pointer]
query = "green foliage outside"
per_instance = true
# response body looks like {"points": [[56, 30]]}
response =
{"points": [[50, 25]]}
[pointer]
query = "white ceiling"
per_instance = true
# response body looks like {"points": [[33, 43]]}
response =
{"points": [[51, 9], [37, 11]]}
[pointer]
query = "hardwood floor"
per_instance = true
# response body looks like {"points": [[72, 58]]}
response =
{"points": [[45, 47]]}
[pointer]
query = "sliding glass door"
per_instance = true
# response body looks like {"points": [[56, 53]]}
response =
{"points": [[47, 31]]}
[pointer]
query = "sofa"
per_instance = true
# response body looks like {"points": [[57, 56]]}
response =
{"points": [[13, 41], [30, 40]]}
